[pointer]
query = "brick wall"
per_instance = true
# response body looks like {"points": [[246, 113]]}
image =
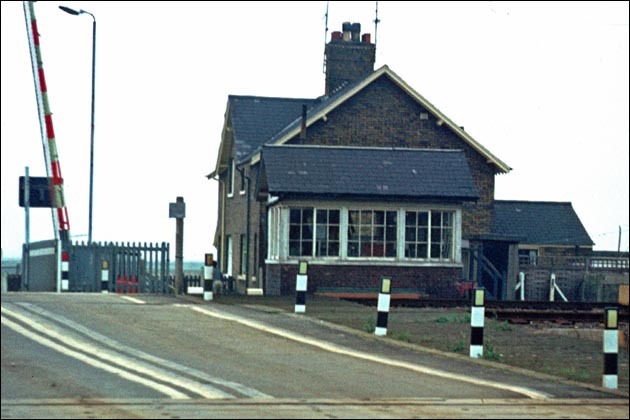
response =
{"points": [[436, 282], [383, 115]]}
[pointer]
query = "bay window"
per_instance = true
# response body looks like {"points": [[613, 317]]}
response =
{"points": [[356, 233]]}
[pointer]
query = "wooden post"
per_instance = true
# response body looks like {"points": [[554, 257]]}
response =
{"points": [[177, 211]]}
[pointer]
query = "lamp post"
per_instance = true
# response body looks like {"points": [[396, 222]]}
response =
{"points": [[75, 13]]}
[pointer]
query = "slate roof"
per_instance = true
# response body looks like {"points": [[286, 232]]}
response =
{"points": [[365, 171], [540, 223], [257, 119]]}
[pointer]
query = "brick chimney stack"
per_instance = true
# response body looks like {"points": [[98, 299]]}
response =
{"points": [[349, 56]]}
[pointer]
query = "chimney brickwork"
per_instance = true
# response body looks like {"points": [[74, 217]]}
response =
{"points": [[349, 57]]}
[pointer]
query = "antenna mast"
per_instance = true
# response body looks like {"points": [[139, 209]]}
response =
{"points": [[376, 22], [325, 37]]}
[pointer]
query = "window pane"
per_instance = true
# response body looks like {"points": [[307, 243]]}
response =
{"points": [[296, 215], [391, 233], [307, 215], [379, 234], [307, 249], [410, 218], [390, 249], [353, 233], [378, 250], [410, 234], [294, 232], [294, 248], [322, 217], [333, 233], [436, 219], [435, 250], [353, 249], [307, 232], [353, 217], [410, 250], [423, 234], [422, 251], [333, 217], [423, 218], [333, 249], [391, 218], [379, 218]]}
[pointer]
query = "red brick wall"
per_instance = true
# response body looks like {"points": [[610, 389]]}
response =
{"points": [[383, 115], [436, 282]]}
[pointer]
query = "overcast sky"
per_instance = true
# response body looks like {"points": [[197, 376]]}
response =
{"points": [[543, 86]]}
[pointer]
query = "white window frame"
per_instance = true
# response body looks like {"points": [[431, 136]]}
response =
{"points": [[278, 233], [231, 178]]}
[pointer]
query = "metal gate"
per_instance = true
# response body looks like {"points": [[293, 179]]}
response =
{"points": [[119, 268]]}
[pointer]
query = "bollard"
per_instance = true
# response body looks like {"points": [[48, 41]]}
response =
{"points": [[384, 298], [477, 314], [611, 348], [301, 285], [104, 276], [65, 266], [208, 272]]}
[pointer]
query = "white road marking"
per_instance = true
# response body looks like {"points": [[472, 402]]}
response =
{"points": [[134, 300], [249, 392], [163, 389], [125, 362], [365, 356]]}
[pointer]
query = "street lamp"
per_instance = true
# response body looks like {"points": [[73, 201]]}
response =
{"points": [[80, 12]]}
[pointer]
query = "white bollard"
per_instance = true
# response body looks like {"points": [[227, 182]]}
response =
{"points": [[477, 315], [384, 299]]}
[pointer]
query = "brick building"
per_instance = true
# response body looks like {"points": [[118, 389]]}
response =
{"points": [[368, 180]]}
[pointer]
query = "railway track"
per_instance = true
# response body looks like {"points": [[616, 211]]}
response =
{"points": [[520, 311]]}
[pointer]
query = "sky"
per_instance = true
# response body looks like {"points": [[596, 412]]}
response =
{"points": [[542, 85]]}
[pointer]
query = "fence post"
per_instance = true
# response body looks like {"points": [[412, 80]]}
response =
{"points": [[552, 287], [301, 285], [477, 315], [104, 276], [384, 298], [611, 348], [208, 272]]}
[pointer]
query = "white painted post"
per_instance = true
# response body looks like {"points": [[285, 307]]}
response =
{"points": [[552, 287], [301, 286], [104, 276], [477, 314], [65, 266], [384, 298], [611, 348], [208, 275]]}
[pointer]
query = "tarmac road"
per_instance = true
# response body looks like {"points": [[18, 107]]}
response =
{"points": [[93, 355]]}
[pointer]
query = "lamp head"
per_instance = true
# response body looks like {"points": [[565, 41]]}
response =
{"points": [[69, 10]]}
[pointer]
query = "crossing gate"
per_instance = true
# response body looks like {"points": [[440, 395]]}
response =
{"points": [[119, 268]]}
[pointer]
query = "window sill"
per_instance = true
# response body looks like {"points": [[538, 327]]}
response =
{"points": [[370, 262]]}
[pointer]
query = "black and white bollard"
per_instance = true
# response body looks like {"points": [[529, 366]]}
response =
{"points": [[65, 267], [104, 276], [301, 286], [384, 298], [477, 314], [208, 275], [611, 348]]}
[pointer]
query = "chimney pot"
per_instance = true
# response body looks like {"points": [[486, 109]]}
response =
{"points": [[347, 31], [367, 39], [336, 35], [356, 32]]}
